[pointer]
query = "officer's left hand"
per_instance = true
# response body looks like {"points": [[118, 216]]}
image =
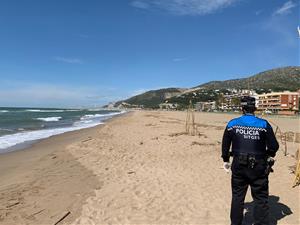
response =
{"points": [[227, 166]]}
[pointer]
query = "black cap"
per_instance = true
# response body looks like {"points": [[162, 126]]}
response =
{"points": [[248, 104], [247, 101]]}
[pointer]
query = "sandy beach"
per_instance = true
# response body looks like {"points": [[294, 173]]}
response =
{"points": [[138, 168]]}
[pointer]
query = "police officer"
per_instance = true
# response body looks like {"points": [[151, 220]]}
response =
{"points": [[253, 143]]}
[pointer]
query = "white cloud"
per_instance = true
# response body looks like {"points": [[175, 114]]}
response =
{"points": [[285, 9], [258, 12], [185, 7], [285, 34], [68, 60], [140, 4]]}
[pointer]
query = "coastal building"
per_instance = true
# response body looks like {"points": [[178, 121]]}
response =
{"points": [[111, 105], [230, 103], [279, 102], [231, 100], [168, 106], [125, 105], [205, 106]]}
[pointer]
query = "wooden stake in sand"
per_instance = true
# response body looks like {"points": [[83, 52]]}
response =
{"points": [[61, 219], [283, 137], [190, 126], [297, 174]]}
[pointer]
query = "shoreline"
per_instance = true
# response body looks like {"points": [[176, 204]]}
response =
{"points": [[27, 144], [30, 177]]}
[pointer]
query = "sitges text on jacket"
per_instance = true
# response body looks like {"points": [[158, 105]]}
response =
{"points": [[249, 134]]}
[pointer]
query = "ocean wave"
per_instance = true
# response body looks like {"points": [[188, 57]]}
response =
{"points": [[73, 110], [84, 123], [5, 129], [7, 141], [93, 116], [90, 116], [42, 110], [50, 119], [3, 111], [10, 140], [32, 110], [94, 110]]}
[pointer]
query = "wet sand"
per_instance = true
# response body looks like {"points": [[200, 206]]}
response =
{"points": [[42, 183], [139, 168]]}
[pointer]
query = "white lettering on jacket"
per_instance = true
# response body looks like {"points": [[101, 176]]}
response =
{"points": [[247, 132]]}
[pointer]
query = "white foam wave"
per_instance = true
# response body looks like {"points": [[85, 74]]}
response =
{"points": [[32, 110], [42, 110], [94, 110], [3, 111], [7, 141], [5, 129], [93, 116], [82, 122], [50, 119], [90, 116], [73, 110], [13, 139]]}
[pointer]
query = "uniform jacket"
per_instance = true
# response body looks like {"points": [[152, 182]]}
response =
{"points": [[249, 134]]}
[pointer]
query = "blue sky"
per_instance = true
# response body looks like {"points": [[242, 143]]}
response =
{"points": [[83, 53]]}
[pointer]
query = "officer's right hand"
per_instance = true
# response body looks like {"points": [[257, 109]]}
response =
{"points": [[227, 166]]}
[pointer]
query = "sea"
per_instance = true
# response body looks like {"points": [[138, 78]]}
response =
{"points": [[25, 125]]}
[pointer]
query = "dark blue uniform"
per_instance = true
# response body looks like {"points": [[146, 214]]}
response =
{"points": [[252, 140]]}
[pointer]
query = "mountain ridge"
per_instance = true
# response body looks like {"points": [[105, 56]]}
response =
{"points": [[262, 80], [152, 98], [277, 79]]}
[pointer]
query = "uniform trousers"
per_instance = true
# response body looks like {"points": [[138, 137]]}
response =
{"points": [[257, 179]]}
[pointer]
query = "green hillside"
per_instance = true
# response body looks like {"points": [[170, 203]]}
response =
{"points": [[151, 99], [286, 78], [280, 79]]}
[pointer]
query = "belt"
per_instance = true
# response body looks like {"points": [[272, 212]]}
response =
{"points": [[256, 156]]}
